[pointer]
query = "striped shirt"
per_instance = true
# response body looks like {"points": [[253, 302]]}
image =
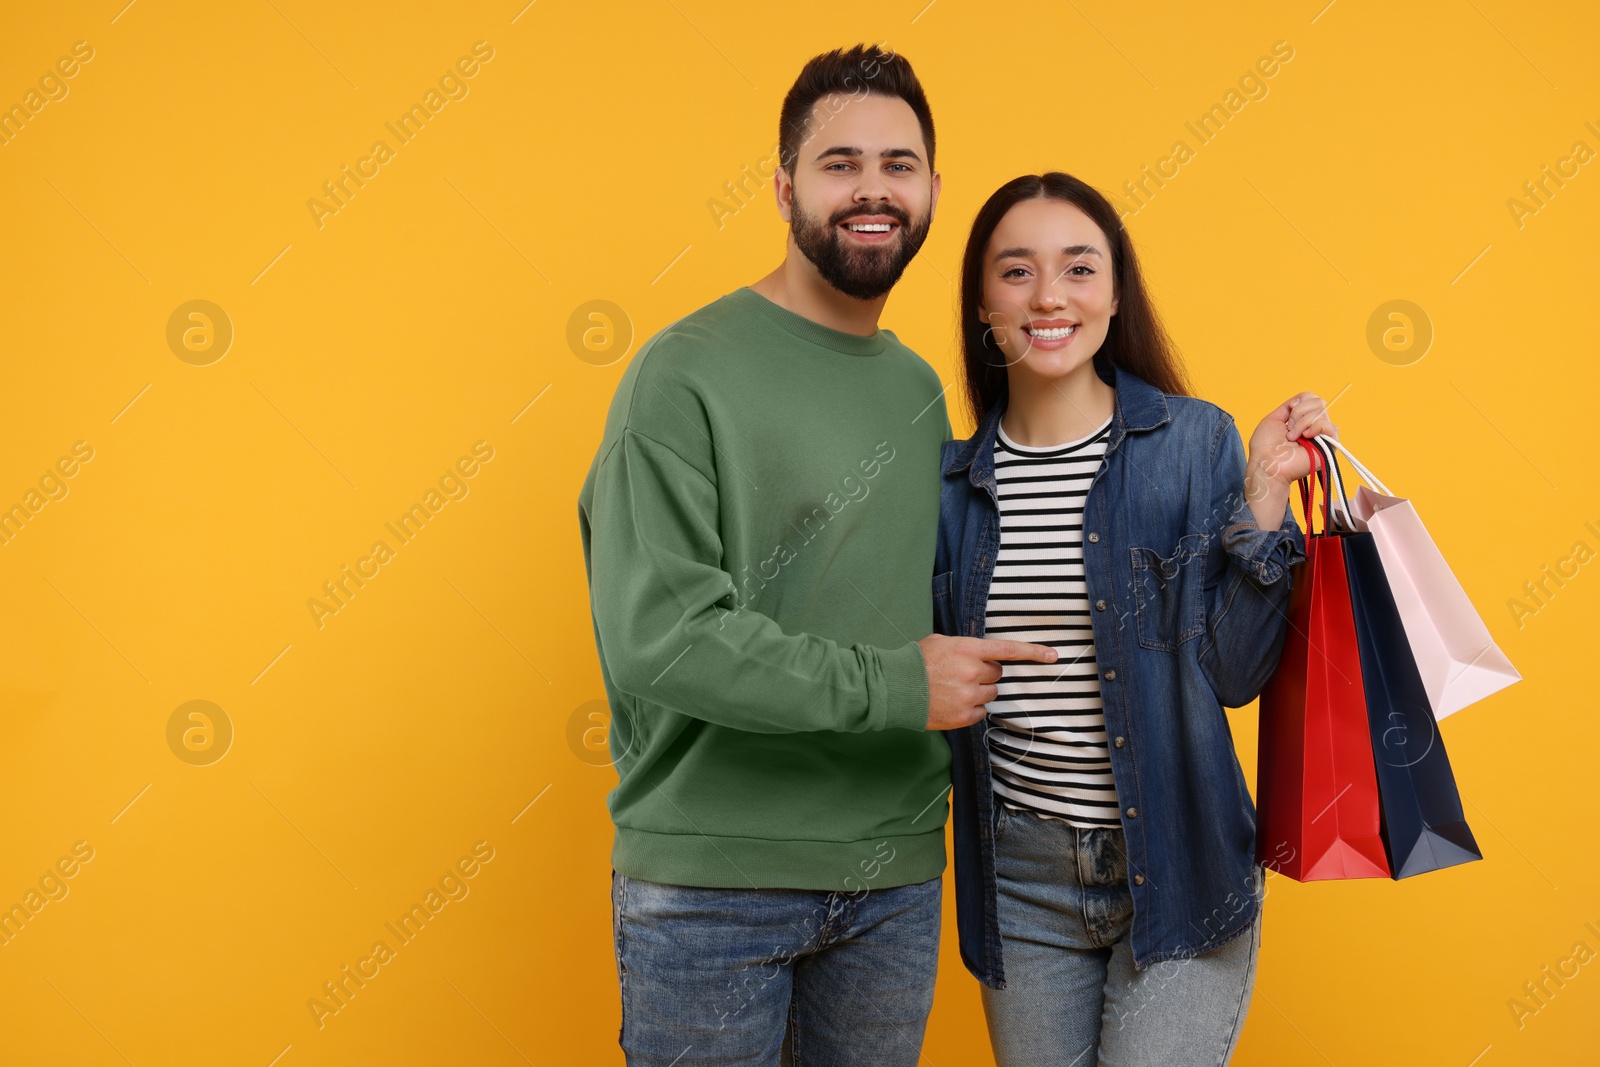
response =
{"points": [[1047, 741]]}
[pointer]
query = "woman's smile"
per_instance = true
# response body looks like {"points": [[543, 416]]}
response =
{"points": [[1051, 333]]}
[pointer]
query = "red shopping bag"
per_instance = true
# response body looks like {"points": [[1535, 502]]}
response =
{"points": [[1317, 813]]}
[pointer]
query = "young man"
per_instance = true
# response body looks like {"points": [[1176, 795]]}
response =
{"points": [[758, 529]]}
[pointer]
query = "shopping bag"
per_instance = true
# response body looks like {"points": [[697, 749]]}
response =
{"points": [[1423, 827], [1317, 791], [1459, 662]]}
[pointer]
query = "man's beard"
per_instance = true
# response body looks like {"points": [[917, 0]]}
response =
{"points": [[865, 272]]}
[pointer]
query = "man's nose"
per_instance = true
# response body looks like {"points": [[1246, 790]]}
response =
{"points": [[871, 186]]}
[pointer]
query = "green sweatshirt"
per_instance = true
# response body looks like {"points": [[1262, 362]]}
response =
{"points": [[758, 531]]}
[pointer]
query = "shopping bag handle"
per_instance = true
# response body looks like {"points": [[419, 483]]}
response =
{"points": [[1339, 500], [1319, 472], [1361, 468]]}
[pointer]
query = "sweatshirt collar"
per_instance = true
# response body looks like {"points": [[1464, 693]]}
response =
{"points": [[814, 332]]}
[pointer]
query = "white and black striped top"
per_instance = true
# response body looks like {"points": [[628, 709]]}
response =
{"points": [[1047, 736]]}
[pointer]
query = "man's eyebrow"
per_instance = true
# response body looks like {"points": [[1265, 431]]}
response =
{"points": [[1070, 250], [856, 153]]}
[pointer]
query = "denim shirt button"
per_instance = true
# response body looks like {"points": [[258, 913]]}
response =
{"points": [[1119, 742], [1111, 676], [1094, 538], [1138, 879], [1099, 605], [1133, 813]]}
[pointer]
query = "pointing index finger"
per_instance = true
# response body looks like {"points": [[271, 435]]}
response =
{"points": [[1016, 650]]}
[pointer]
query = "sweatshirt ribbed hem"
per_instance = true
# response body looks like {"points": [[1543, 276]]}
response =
{"points": [[754, 863]]}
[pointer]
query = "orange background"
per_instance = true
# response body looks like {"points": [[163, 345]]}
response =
{"points": [[445, 706]]}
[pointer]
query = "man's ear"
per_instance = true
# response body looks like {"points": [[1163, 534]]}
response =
{"points": [[933, 201], [783, 190]]}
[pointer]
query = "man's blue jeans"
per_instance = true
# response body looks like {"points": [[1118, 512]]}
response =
{"points": [[767, 977]]}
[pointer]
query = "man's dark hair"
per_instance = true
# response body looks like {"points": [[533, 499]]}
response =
{"points": [[848, 72]]}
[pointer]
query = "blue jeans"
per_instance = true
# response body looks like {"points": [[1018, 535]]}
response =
{"points": [[1072, 996], [770, 977]]}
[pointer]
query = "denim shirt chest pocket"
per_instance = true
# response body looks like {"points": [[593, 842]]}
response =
{"points": [[1168, 589]]}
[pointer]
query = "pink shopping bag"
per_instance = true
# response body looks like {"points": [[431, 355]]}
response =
{"points": [[1459, 661]]}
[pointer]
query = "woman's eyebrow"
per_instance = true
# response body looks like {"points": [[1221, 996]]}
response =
{"points": [[1070, 250]]}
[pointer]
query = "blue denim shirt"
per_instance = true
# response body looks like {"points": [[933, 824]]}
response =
{"points": [[1189, 603]]}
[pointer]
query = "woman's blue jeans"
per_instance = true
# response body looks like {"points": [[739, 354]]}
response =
{"points": [[1072, 996], [764, 977]]}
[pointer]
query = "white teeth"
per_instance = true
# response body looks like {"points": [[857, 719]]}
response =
{"points": [[1054, 334], [868, 227]]}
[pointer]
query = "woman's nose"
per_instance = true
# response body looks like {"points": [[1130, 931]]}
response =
{"points": [[1047, 298]]}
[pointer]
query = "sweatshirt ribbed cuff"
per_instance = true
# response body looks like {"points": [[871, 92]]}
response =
{"points": [[905, 676]]}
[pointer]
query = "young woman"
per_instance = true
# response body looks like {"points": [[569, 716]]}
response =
{"points": [[1108, 895]]}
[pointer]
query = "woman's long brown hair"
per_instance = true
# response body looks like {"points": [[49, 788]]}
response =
{"points": [[1135, 341]]}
